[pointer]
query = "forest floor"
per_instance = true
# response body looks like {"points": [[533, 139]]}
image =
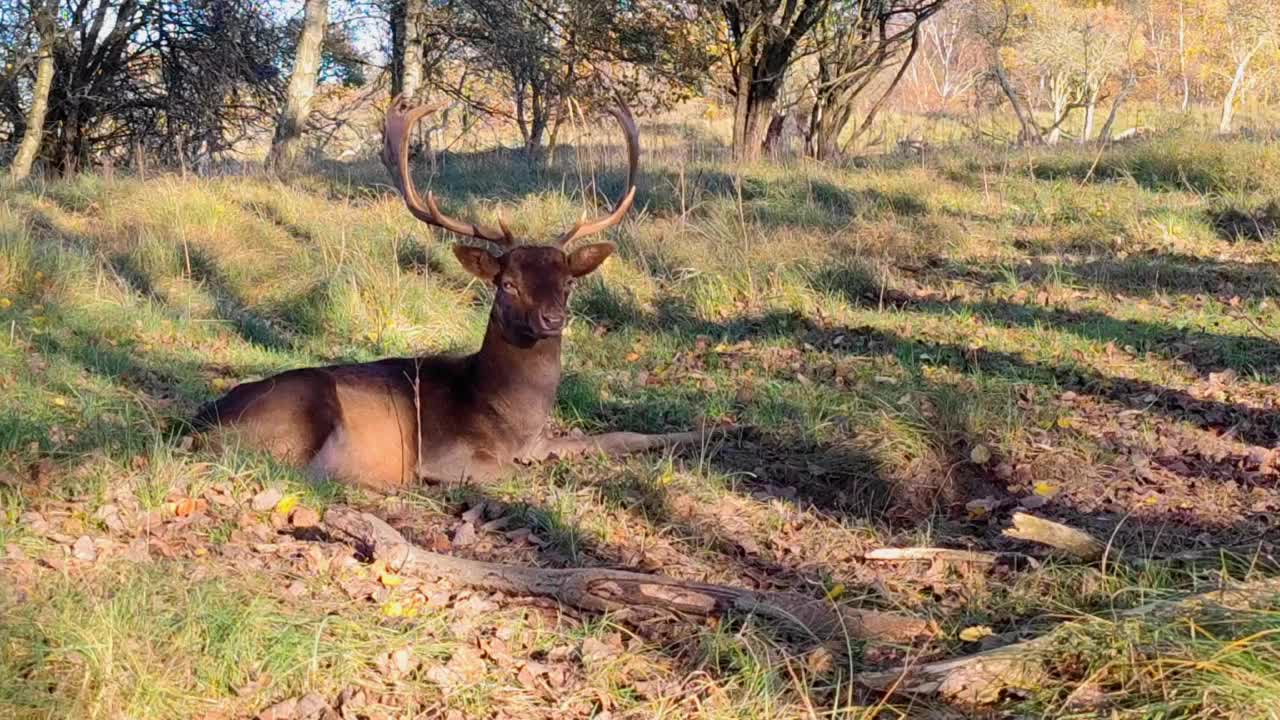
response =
{"points": [[920, 346]]}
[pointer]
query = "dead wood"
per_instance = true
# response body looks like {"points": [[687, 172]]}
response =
{"points": [[604, 589], [980, 678], [1076, 543], [946, 555]]}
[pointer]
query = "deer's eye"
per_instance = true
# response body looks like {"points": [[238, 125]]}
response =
{"points": [[510, 288]]}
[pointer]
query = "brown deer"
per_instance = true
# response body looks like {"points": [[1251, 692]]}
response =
{"points": [[440, 418]]}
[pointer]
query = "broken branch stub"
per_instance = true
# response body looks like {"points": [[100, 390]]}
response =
{"points": [[603, 589], [1076, 543]]}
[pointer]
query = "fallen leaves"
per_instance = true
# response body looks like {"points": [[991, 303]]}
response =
{"points": [[84, 549], [266, 500], [304, 517]]}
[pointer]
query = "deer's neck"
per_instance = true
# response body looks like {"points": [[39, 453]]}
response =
{"points": [[519, 382]]}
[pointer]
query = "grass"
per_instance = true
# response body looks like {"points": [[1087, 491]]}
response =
{"points": [[906, 336]]}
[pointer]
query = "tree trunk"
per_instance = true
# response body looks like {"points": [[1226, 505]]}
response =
{"points": [[752, 110], [414, 57], [1060, 98], [33, 133], [1182, 56], [1108, 126], [1028, 132], [1237, 80], [1090, 112], [302, 87]]}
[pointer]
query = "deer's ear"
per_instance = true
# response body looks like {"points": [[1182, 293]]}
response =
{"points": [[587, 258], [478, 262]]}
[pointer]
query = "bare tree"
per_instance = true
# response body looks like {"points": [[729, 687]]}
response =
{"points": [[856, 41], [1002, 24], [44, 15], [302, 86], [947, 52], [1249, 26], [178, 80], [1099, 39]]}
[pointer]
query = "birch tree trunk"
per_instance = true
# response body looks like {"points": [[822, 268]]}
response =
{"points": [[414, 48], [32, 135], [287, 144], [1090, 112], [1237, 80], [1182, 56]]}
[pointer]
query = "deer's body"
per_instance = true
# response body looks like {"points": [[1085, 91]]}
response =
{"points": [[384, 424], [438, 418]]}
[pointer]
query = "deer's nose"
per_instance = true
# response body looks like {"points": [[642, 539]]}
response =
{"points": [[551, 320]]}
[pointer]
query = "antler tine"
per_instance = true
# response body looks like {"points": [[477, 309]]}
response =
{"points": [[395, 156], [582, 228]]}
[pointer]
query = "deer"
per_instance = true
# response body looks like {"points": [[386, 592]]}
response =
{"points": [[444, 418]]}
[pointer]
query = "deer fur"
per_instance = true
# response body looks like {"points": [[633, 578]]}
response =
{"points": [[389, 423]]}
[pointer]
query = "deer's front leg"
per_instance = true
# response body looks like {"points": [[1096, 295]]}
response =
{"points": [[613, 444]]}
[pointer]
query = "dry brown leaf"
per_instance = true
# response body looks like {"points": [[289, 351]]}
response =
{"points": [[311, 706], [184, 507], [84, 549], [304, 517], [283, 710], [593, 650], [266, 500], [464, 535]]}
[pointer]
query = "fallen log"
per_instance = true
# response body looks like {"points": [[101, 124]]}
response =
{"points": [[1077, 543], [604, 589], [980, 678]]}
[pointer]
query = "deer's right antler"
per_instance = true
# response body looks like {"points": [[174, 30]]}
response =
{"points": [[583, 228], [395, 155]]}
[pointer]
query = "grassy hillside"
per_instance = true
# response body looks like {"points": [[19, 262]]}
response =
{"points": [[920, 345]]}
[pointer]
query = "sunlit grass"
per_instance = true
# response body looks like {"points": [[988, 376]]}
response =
{"points": [[878, 326]]}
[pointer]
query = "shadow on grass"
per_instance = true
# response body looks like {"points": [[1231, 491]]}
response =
{"points": [[1205, 352], [1139, 275], [1165, 164], [954, 478], [790, 200], [271, 214], [1252, 224], [233, 308]]}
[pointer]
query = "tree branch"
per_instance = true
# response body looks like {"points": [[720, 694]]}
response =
{"points": [[603, 589]]}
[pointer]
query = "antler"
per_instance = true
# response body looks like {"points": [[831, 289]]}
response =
{"points": [[395, 155], [583, 228]]}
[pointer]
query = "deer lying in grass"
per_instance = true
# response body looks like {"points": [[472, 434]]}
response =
{"points": [[437, 418]]}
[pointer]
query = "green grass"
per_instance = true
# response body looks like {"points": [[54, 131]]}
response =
{"points": [[905, 336]]}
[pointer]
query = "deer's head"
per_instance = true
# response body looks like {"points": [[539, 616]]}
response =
{"points": [[532, 282]]}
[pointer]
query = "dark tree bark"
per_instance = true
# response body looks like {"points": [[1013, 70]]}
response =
{"points": [[764, 37]]}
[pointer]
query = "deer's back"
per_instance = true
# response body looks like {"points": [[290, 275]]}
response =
{"points": [[379, 424]]}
